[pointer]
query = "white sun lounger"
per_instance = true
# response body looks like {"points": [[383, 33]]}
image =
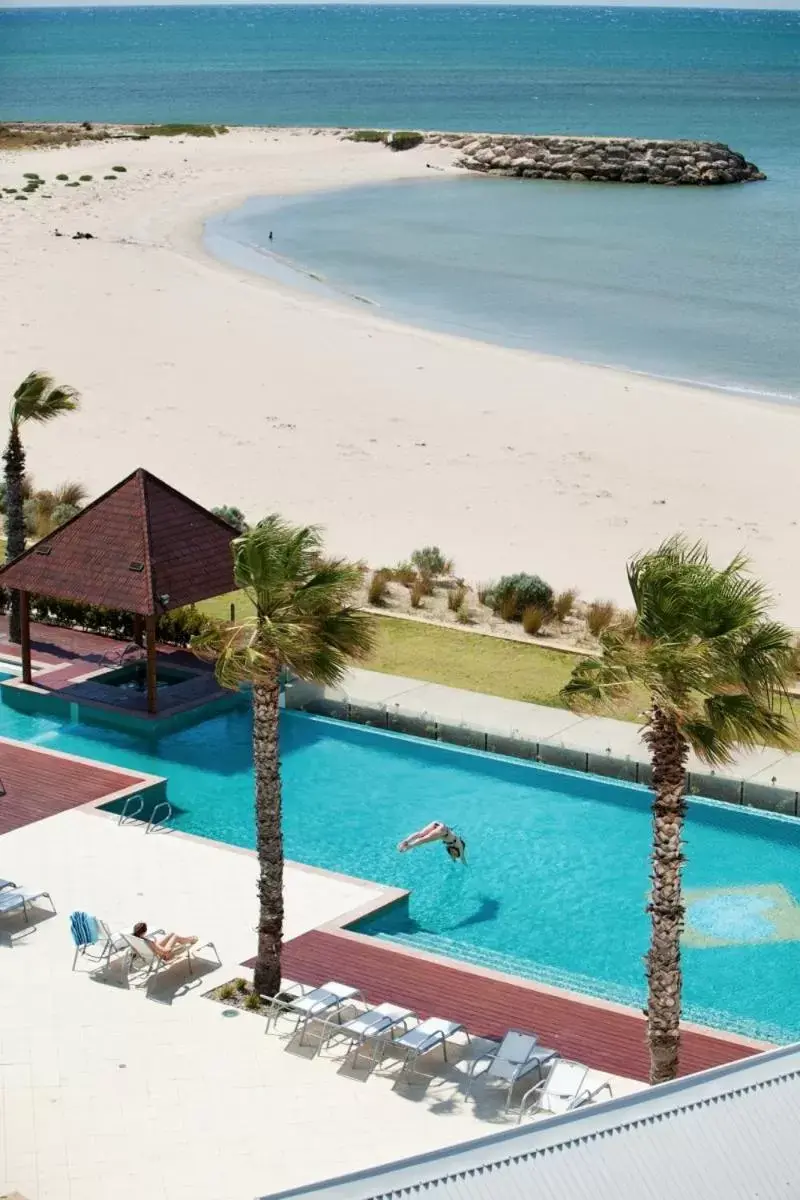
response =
{"points": [[562, 1089], [375, 1025], [154, 964], [433, 1032], [18, 899], [516, 1057], [323, 1002]]}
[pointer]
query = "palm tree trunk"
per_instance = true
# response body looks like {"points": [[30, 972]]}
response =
{"points": [[269, 836], [14, 458], [669, 751]]}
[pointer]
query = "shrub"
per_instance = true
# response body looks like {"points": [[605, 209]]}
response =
{"points": [[109, 177], [514, 593], [564, 603], [9, 189], [62, 177], [174, 628], [464, 614], [86, 178], [455, 598], [179, 129], [241, 985], [227, 992], [29, 187], [378, 590], [73, 184], [599, 616], [253, 1002], [63, 513], [234, 516], [404, 573], [430, 561], [405, 140], [418, 593], [121, 169], [20, 197], [367, 135], [626, 623], [533, 618], [29, 175]]}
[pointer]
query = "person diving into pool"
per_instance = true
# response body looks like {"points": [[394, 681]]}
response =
{"points": [[437, 831]]}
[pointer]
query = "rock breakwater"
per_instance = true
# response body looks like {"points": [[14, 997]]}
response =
{"points": [[601, 160]]}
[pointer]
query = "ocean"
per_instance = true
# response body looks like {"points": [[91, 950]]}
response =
{"points": [[693, 284]]}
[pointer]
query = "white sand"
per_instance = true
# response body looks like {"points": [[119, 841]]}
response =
{"points": [[240, 391]]}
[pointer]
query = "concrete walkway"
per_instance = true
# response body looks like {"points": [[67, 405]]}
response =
{"points": [[767, 778]]}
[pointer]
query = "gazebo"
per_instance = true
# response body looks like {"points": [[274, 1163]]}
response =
{"points": [[141, 547]]}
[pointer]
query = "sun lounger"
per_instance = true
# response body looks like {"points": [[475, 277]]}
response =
{"points": [[433, 1032], [562, 1089], [517, 1056], [94, 940], [6, 883], [323, 1002], [14, 900], [375, 1025], [154, 964]]}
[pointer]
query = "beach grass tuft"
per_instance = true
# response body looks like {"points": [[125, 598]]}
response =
{"points": [[378, 589], [599, 615], [564, 603], [367, 135], [180, 129]]}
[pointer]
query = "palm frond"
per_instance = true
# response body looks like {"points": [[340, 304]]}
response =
{"points": [[40, 398], [304, 617], [734, 720], [702, 645]]}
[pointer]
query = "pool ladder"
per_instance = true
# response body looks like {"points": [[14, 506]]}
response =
{"points": [[129, 813], [133, 806], [158, 823]]}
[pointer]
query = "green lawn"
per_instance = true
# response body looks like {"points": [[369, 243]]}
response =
{"points": [[458, 658], [451, 656], [470, 660]]}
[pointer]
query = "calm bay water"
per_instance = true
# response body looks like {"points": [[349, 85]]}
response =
{"points": [[700, 285]]}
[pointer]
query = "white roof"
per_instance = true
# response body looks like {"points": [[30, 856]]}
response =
{"points": [[726, 1134]]}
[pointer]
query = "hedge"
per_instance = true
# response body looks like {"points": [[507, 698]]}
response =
{"points": [[174, 628]]}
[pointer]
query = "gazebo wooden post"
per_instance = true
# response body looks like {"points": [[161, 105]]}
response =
{"points": [[152, 687], [25, 632]]}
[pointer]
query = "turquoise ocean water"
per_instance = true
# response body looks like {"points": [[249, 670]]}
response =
{"points": [[700, 285], [557, 876]]}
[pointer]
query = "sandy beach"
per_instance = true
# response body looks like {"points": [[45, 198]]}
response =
{"points": [[238, 390]]}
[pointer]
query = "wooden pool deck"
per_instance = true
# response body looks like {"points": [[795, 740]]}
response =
{"points": [[606, 1037], [37, 783]]}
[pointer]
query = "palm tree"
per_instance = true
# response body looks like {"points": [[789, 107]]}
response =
{"points": [[302, 619], [38, 398], [714, 668]]}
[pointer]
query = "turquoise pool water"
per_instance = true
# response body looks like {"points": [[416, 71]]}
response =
{"points": [[557, 876]]}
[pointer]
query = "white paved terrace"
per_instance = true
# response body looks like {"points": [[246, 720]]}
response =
{"points": [[105, 1092]]}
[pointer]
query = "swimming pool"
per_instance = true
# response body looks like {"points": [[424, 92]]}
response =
{"points": [[557, 878]]}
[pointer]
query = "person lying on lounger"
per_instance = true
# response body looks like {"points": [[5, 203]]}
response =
{"points": [[166, 947], [437, 831]]}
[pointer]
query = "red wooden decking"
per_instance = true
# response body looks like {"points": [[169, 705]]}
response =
{"points": [[609, 1039], [39, 784]]}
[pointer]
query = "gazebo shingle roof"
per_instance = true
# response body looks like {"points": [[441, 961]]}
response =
{"points": [[142, 547]]}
